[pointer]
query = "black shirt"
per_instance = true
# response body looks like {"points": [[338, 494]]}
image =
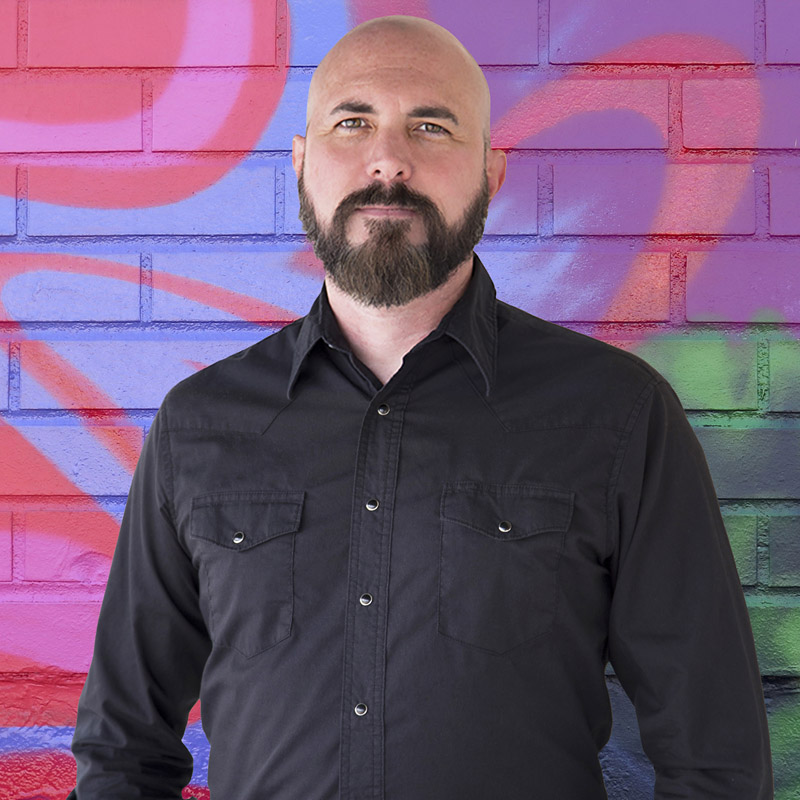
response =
{"points": [[411, 591]]}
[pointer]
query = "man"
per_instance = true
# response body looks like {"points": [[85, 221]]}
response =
{"points": [[393, 546]]}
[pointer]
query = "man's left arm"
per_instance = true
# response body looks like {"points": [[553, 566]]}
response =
{"points": [[679, 636]]}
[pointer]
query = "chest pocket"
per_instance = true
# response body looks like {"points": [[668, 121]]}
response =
{"points": [[501, 546], [244, 543]]}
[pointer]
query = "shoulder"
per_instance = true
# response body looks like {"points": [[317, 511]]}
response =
{"points": [[578, 380], [225, 393]]}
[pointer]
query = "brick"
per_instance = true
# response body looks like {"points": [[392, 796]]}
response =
{"points": [[784, 376], [744, 112], [225, 111], [742, 533], [289, 117], [784, 201], [642, 199], [6, 561], [717, 374], [8, 33], [783, 22], [775, 624], [513, 209], [783, 715], [8, 200], [150, 33], [493, 34], [69, 545], [682, 31], [68, 460], [753, 463], [268, 286], [536, 281], [38, 701], [784, 551], [50, 295], [3, 376], [241, 202], [151, 369], [67, 115], [47, 635], [727, 286], [572, 113]]}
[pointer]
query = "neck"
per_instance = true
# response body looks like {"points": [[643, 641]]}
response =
{"points": [[380, 337]]}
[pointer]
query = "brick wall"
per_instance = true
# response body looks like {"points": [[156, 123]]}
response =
{"points": [[148, 226]]}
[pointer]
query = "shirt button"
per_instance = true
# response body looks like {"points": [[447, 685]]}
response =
{"points": [[361, 709], [504, 527], [365, 599], [238, 537], [372, 504], [383, 409]]}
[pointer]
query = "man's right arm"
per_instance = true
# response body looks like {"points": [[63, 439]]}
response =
{"points": [[150, 649]]}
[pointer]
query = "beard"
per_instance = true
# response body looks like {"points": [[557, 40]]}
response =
{"points": [[387, 270]]}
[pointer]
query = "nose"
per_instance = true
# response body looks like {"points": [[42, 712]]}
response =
{"points": [[390, 157]]}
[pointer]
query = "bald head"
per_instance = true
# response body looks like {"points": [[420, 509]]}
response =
{"points": [[382, 45]]}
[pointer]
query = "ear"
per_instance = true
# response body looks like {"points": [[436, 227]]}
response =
{"points": [[495, 170], [298, 151]]}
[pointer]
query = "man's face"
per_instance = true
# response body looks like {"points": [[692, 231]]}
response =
{"points": [[394, 176]]}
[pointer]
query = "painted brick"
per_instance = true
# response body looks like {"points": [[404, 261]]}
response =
{"points": [[626, 199], [783, 22], [34, 702], [51, 295], [513, 209], [743, 535], [8, 33], [289, 117], [753, 463], [67, 459], [743, 287], [219, 112], [32, 640], [784, 551], [784, 376], [69, 545], [151, 369], [289, 281], [291, 202], [585, 112], [715, 374], [86, 114], [775, 627], [494, 33], [150, 33], [8, 200], [784, 201], [6, 562], [3, 376], [537, 282], [241, 202], [727, 112], [681, 31]]}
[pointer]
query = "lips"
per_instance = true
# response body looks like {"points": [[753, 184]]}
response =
{"points": [[397, 212]]}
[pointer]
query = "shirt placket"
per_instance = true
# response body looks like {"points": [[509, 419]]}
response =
{"points": [[362, 740]]}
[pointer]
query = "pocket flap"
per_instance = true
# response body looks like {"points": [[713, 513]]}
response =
{"points": [[507, 511], [241, 520]]}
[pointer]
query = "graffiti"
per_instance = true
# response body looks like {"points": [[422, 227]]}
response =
{"points": [[141, 140]]}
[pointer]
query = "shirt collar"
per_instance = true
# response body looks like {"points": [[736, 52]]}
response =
{"points": [[472, 322]]}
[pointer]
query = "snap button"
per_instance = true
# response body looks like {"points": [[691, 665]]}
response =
{"points": [[238, 537], [383, 409], [365, 599], [372, 504], [504, 527], [360, 709]]}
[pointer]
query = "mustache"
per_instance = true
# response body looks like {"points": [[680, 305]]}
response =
{"points": [[378, 194]]}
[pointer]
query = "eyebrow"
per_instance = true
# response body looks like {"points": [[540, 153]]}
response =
{"points": [[434, 112]]}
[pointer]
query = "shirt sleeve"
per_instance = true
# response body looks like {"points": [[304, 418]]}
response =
{"points": [[680, 637], [149, 652]]}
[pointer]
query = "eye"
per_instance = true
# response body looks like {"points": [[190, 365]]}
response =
{"points": [[432, 127], [351, 124]]}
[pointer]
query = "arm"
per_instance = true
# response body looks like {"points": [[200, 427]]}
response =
{"points": [[680, 637], [150, 649]]}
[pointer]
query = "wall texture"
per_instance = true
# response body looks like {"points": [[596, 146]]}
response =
{"points": [[148, 226]]}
